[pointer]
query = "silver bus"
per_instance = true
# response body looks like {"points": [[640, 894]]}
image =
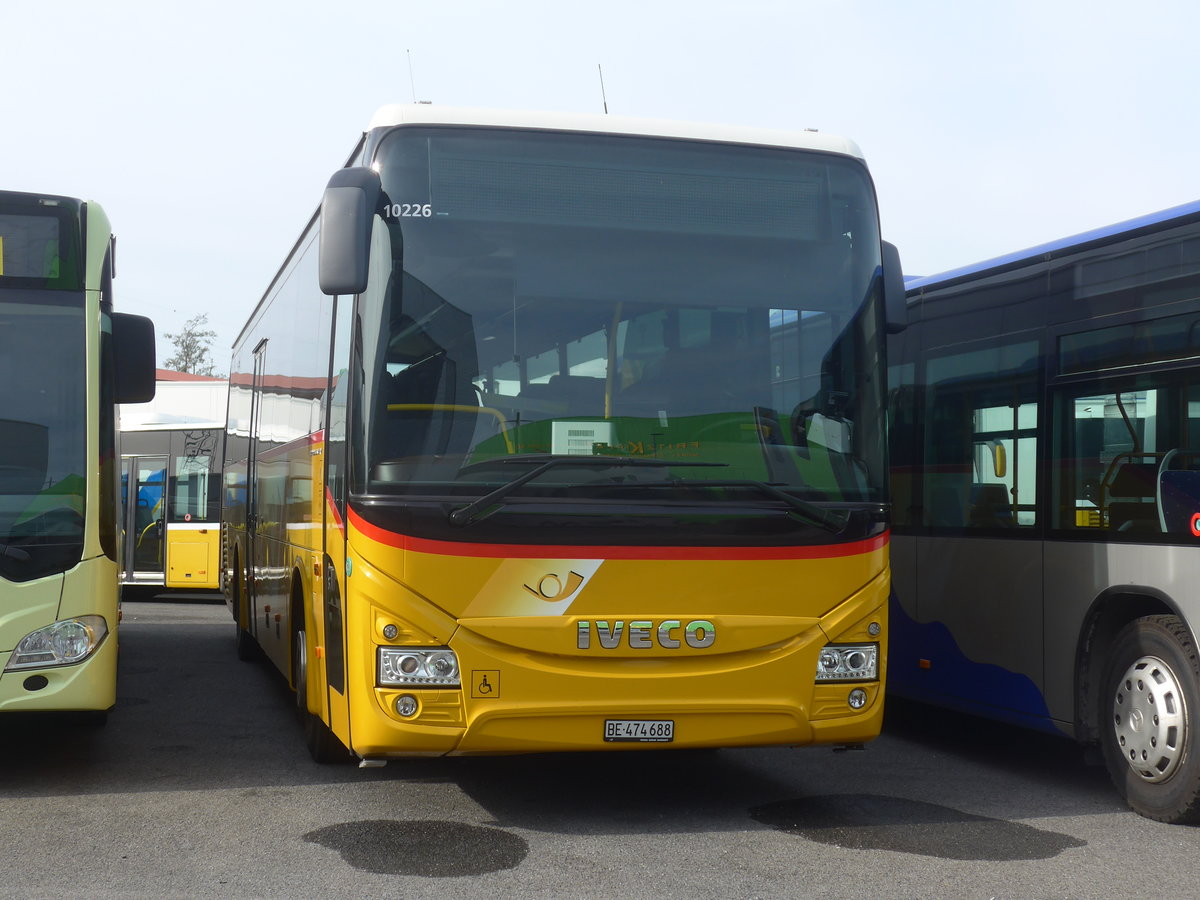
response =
{"points": [[1045, 439]]}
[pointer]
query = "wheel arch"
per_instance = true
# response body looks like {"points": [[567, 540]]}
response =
{"points": [[297, 613], [1110, 612], [233, 577]]}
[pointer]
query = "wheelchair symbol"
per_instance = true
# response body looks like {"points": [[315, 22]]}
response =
{"points": [[485, 684]]}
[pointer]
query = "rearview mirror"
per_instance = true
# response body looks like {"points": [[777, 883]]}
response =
{"points": [[134, 358], [347, 209], [895, 303]]}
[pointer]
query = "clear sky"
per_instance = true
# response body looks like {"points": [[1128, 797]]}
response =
{"points": [[208, 130]]}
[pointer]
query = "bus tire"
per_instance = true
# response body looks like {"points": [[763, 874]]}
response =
{"points": [[322, 743], [1150, 704], [247, 650], [247, 647]]}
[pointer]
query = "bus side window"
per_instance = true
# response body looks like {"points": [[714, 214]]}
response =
{"points": [[1110, 461], [981, 438]]}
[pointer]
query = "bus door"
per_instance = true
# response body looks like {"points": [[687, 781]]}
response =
{"points": [[253, 549], [333, 493], [144, 510], [192, 549]]}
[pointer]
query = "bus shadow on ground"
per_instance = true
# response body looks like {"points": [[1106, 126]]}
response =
{"points": [[190, 716], [1021, 751], [877, 822]]}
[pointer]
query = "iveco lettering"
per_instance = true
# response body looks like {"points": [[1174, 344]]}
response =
{"points": [[645, 634]]}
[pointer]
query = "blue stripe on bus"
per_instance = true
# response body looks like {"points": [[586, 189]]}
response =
{"points": [[955, 681]]}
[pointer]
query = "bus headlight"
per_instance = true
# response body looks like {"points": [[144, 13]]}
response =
{"points": [[417, 666], [61, 644], [848, 662]]}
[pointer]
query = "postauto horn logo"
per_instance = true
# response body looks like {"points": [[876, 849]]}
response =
{"points": [[644, 634]]}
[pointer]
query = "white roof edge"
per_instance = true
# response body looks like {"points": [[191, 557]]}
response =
{"points": [[432, 114]]}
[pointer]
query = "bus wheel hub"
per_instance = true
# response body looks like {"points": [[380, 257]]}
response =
{"points": [[1150, 719]]}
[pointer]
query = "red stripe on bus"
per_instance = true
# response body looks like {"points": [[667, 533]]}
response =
{"points": [[604, 551]]}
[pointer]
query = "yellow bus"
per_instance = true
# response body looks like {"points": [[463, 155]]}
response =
{"points": [[66, 359], [171, 502], [561, 432]]}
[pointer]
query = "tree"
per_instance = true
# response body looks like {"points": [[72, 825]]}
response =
{"points": [[192, 343]]}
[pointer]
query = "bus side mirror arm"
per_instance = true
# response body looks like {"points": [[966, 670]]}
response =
{"points": [[895, 303], [347, 210], [134, 358]]}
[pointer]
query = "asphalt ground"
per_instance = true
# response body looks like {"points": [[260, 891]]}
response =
{"points": [[200, 786]]}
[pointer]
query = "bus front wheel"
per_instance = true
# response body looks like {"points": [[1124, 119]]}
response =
{"points": [[322, 743], [247, 647], [1151, 701]]}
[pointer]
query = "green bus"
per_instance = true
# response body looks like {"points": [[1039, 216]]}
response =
{"points": [[66, 360]]}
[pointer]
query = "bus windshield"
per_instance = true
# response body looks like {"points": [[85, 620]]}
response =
{"points": [[43, 418], [550, 294]]}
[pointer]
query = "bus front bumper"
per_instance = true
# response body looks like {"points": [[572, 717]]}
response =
{"points": [[504, 707], [86, 686]]}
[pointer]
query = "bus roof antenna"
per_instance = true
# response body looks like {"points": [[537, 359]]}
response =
{"points": [[411, 83], [603, 96]]}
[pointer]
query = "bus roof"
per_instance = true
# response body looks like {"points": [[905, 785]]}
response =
{"points": [[430, 114], [1061, 247]]}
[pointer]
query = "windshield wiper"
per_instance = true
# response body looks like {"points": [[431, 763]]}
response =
{"points": [[816, 514], [465, 515], [834, 522]]}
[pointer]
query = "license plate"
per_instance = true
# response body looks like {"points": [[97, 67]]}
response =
{"points": [[653, 731]]}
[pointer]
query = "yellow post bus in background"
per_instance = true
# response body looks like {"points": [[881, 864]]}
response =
{"points": [[567, 433], [171, 486], [171, 503], [66, 360]]}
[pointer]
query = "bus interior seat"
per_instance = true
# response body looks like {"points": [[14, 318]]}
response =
{"points": [[402, 432], [1179, 496], [1136, 484], [991, 506], [684, 381], [426, 432], [568, 395]]}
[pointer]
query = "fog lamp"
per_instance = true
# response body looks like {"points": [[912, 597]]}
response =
{"points": [[406, 705], [857, 698]]}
